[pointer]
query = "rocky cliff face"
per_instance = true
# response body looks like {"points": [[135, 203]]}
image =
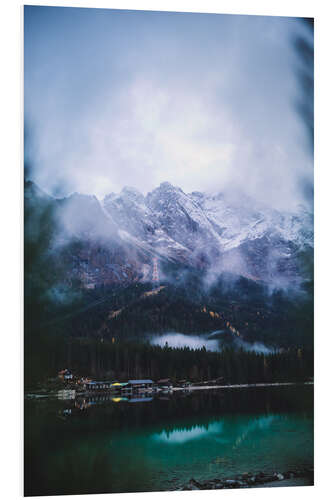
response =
{"points": [[115, 240]]}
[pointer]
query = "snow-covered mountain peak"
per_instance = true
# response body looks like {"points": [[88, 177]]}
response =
{"points": [[222, 231], [204, 224], [132, 194], [167, 186]]}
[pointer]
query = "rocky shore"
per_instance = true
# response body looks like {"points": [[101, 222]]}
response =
{"points": [[248, 480]]}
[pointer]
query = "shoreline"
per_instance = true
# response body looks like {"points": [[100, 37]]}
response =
{"points": [[298, 477], [47, 394], [240, 386]]}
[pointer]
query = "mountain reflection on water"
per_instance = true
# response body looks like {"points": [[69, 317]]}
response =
{"points": [[162, 443], [183, 435]]}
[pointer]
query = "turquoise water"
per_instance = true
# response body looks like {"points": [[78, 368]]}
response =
{"points": [[161, 444]]}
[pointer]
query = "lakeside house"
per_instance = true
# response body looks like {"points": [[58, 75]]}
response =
{"points": [[184, 383], [65, 375], [83, 381], [103, 385], [165, 383], [141, 385], [134, 385], [140, 400], [99, 385]]}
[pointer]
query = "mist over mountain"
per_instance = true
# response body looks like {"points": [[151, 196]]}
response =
{"points": [[131, 267], [220, 258], [118, 237]]}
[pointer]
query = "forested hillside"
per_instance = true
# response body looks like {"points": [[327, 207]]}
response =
{"points": [[66, 321]]}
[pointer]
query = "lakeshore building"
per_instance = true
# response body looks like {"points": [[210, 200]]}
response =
{"points": [[84, 381], [65, 375], [184, 383], [90, 385], [102, 385], [164, 383], [141, 385]]}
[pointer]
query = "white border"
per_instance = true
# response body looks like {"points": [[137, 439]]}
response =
{"points": [[11, 231], [305, 8]]}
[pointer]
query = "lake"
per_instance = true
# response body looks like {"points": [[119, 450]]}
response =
{"points": [[159, 444]]}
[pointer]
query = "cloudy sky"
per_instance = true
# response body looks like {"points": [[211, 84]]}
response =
{"points": [[206, 102]]}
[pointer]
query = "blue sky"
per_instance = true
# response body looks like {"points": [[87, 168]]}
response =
{"points": [[204, 101]]}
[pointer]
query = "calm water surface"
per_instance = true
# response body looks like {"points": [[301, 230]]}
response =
{"points": [[159, 444]]}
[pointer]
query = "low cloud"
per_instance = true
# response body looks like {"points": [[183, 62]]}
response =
{"points": [[179, 340], [202, 101]]}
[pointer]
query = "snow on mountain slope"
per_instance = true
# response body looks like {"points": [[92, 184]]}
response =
{"points": [[216, 232], [196, 219], [238, 220], [229, 233]]}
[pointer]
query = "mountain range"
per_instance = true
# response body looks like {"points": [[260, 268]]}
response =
{"points": [[116, 240]]}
